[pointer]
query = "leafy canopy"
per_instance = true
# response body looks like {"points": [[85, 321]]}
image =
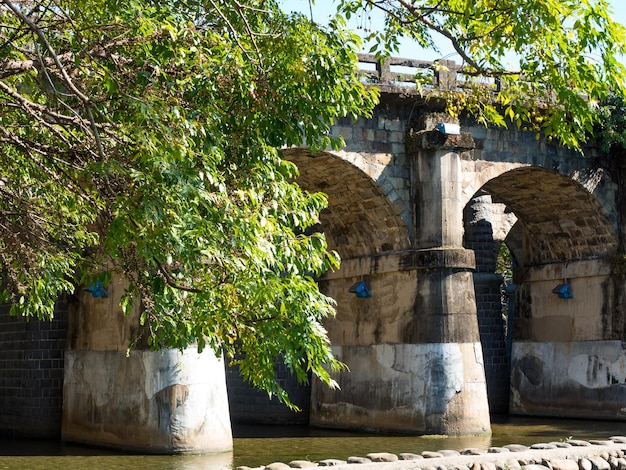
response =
{"points": [[568, 53], [144, 136]]}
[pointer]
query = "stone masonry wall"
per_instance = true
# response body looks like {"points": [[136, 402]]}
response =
{"points": [[251, 406], [481, 232], [492, 329], [376, 145], [31, 374]]}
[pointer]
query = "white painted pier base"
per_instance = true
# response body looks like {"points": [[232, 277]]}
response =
{"points": [[436, 388], [156, 402], [578, 379]]}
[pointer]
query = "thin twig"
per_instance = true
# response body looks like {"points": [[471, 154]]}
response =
{"points": [[66, 78]]}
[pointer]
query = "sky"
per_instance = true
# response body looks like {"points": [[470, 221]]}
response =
{"points": [[322, 9]]}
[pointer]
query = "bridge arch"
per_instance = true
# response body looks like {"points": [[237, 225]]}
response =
{"points": [[561, 220], [557, 232], [361, 220], [498, 151]]}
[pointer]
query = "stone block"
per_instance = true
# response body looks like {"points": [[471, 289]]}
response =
{"points": [[598, 463], [382, 457], [396, 137], [564, 464], [398, 148]]}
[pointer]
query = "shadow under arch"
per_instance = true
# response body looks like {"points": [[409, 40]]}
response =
{"points": [[560, 220], [360, 219]]}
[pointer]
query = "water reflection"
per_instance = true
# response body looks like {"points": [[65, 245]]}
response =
{"points": [[253, 448], [130, 462], [261, 445]]}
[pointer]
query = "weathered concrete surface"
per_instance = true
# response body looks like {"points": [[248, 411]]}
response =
{"points": [[543, 316], [383, 318], [160, 402], [415, 361], [409, 388], [98, 323], [569, 379], [437, 194]]}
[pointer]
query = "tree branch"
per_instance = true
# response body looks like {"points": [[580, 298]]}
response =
{"points": [[66, 78], [454, 40]]}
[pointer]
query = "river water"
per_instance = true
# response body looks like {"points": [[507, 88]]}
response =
{"points": [[261, 445]]}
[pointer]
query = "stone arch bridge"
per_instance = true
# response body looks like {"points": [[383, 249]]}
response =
{"points": [[420, 217]]}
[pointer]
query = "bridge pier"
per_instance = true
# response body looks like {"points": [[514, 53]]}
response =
{"points": [[568, 355], [445, 318], [445, 312], [413, 349], [485, 229], [148, 401]]}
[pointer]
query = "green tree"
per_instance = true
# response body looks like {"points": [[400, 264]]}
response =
{"points": [[568, 53], [143, 137], [611, 137], [611, 133]]}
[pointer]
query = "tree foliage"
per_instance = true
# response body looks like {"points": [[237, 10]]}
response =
{"points": [[611, 133], [568, 53], [142, 138]]}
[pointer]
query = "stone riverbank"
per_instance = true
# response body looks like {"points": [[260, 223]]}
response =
{"points": [[609, 454]]}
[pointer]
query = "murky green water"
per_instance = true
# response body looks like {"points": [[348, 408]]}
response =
{"points": [[260, 445]]}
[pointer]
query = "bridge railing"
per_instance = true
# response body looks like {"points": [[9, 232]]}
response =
{"points": [[444, 75]]}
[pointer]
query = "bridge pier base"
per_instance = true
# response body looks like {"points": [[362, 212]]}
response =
{"points": [[406, 388], [157, 402], [568, 354], [445, 319], [576, 379]]}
